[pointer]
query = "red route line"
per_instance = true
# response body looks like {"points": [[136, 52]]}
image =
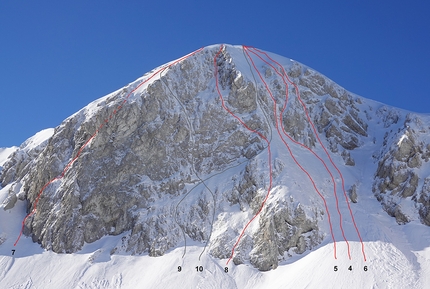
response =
{"points": [[67, 167], [253, 131], [285, 75], [289, 149], [304, 146]]}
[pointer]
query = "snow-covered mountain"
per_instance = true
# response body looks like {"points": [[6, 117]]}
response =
{"points": [[230, 167]]}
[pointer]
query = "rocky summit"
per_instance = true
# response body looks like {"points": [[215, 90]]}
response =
{"points": [[254, 156]]}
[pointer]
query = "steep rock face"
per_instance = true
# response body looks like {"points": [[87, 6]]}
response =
{"points": [[399, 179], [424, 202], [20, 164], [282, 228], [164, 162], [338, 115], [142, 157]]}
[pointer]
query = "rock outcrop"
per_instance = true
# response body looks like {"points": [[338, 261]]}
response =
{"points": [[399, 180]]}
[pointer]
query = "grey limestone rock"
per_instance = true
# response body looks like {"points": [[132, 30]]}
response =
{"points": [[10, 201], [297, 126], [352, 192], [398, 173], [424, 202], [349, 161]]}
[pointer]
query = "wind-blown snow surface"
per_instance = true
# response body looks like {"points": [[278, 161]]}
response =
{"points": [[396, 256], [5, 153]]}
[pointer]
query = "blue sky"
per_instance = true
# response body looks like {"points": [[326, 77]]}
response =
{"points": [[57, 56]]}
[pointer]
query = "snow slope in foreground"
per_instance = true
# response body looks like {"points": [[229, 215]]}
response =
{"points": [[397, 257]]}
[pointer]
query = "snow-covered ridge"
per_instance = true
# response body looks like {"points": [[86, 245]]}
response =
{"points": [[5, 153], [39, 139]]}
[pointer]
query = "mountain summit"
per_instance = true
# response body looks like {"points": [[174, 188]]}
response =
{"points": [[255, 158]]}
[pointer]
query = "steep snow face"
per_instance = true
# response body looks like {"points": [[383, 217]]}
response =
{"points": [[38, 140], [5, 153], [19, 161], [197, 148], [19, 158], [32, 144]]}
